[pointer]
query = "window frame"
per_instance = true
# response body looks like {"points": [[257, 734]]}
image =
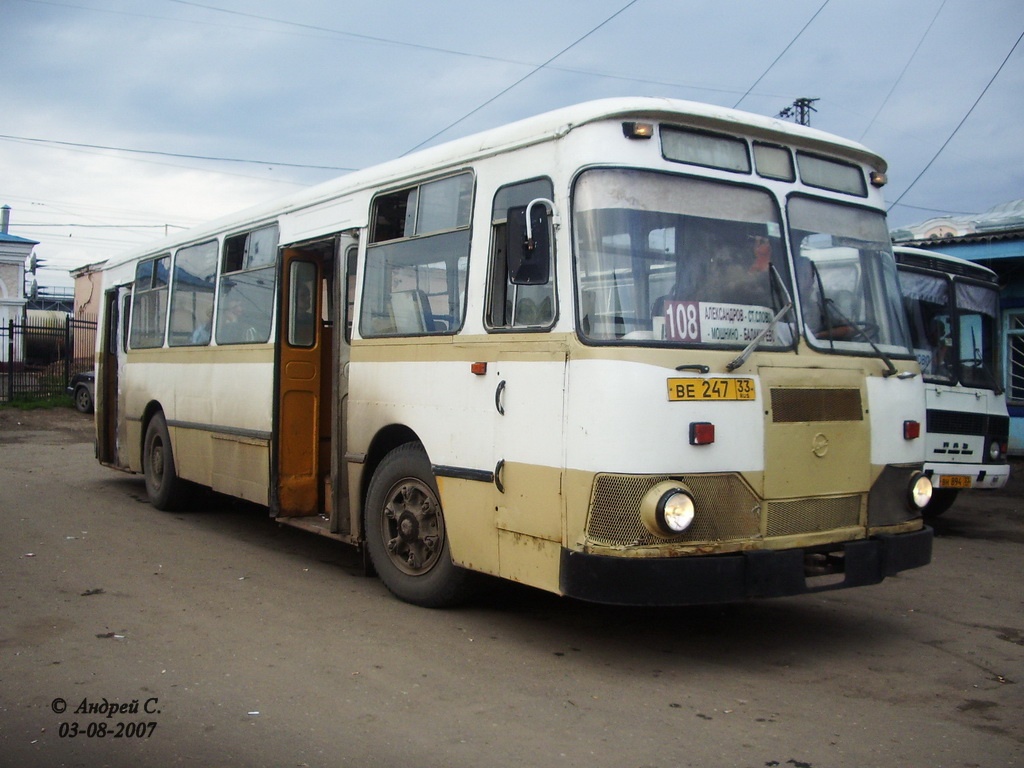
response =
{"points": [[152, 292], [197, 323], [230, 327], [497, 269], [386, 256]]}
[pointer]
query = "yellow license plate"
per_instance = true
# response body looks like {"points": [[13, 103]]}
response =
{"points": [[710, 389], [955, 481]]}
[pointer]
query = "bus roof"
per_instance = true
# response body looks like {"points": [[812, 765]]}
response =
{"points": [[943, 262], [533, 130]]}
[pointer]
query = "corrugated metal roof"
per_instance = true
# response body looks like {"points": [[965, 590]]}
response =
{"points": [[905, 237], [9, 238], [1004, 221]]}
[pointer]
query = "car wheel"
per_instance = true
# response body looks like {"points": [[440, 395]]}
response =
{"points": [[406, 536], [83, 399]]}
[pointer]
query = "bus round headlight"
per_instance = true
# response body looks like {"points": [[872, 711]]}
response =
{"points": [[920, 491], [995, 451], [667, 509]]}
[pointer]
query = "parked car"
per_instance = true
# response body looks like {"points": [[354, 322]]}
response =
{"points": [[82, 390]]}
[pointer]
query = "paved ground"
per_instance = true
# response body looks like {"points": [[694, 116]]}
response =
{"points": [[222, 639]]}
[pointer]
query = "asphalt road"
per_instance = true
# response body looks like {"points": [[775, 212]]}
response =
{"points": [[134, 637]]}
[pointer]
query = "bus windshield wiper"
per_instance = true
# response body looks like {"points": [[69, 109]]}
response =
{"points": [[748, 350], [831, 306]]}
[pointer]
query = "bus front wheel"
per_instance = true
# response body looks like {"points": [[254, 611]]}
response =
{"points": [[942, 499], [163, 486], [405, 532]]}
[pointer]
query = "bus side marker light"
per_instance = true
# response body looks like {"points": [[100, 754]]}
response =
{"points": [[879, 179], [479, 369], [920, 490], [702, 433], [638, 130], [667, 509], [911, 430]]}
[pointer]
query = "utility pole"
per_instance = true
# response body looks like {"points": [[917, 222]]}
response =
{"points": [[801, 109]]}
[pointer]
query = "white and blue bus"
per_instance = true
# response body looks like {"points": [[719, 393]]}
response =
{"points": [[953, 308]]}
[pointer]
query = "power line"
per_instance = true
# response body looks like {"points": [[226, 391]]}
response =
{"points": [[103, 226], [958, 126], [783, 53], [171, 154], [521, 79], [384, 41], [904, 70]]}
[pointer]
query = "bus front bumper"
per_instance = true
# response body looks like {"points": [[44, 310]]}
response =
{"points": [[964, 476], [731, 578]]}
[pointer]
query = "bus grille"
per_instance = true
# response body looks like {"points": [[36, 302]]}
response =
{"points": [[727, 509], [792, 404], [957, 423], [785, 518]]}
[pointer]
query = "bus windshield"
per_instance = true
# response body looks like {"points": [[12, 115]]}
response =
{"points": [[846, 277], [672, 260], [952, 326]]}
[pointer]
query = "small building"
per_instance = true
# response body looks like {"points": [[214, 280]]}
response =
{"points": [[995, 239], [88, 290], [14, 252]]}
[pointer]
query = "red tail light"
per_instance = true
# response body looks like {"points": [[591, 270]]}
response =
{"points": [[702, 433]]}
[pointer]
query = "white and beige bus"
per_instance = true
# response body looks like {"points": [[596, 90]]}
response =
{"points": [[635, 351], [953, 309]]}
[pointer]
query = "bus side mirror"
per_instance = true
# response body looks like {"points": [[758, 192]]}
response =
{"points": [[528, 247]]}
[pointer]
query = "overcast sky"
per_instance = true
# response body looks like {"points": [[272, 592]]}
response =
{"points": [[305, 90]]}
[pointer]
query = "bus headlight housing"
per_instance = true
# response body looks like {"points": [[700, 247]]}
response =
{"points": [[920, 492], [995, 451], [667, 509]]}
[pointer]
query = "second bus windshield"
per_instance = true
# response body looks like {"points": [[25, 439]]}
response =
{"points": [[952, 324]]}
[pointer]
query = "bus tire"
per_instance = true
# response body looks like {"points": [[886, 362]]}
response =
{"points": [[163, 486], [405, 532], [942, 499]]}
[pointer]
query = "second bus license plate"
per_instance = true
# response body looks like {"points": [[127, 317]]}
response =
{"points": [[955, 481], [711, 389]]}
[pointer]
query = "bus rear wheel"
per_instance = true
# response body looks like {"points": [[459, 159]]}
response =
{"points": [[163, 486], [405, 532]]}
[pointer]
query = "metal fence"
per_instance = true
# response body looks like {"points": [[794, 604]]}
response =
{"points": [[39, 355]]}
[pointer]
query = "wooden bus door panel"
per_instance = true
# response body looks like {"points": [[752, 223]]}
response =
{"points": [[300, 404]]}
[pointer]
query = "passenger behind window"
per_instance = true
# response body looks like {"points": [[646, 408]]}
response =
{"points": [[740, 272], [201, 335], [232, 328]]}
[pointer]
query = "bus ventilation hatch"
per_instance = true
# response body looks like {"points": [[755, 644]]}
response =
{"points": [[795, 404]]}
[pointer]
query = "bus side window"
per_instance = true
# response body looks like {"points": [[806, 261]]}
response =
{"points": [[302, 321], [510, 306], [192, 284], [149, 302], [245, 299], [417, 259]]}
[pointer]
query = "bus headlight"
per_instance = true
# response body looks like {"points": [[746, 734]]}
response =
{"points": [[920, 491], [667, 509], [995, 451]]}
